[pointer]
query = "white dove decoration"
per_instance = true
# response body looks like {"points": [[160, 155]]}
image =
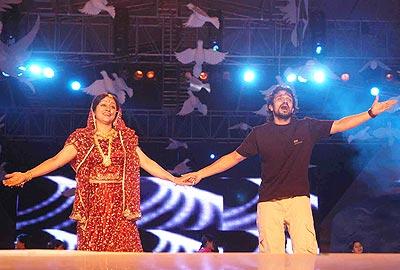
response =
{"points": [[296, 12], [117, 87], [195, 85], [308, 68], [191, 104], [94, 7], [374, 64], [13, 56], [121, 84], [262, 111], [388, 132], [199, 55], [396, 107], [242, 126], [181, 168], [5, 4], [174, 144], [360, 135], [199, 18]]}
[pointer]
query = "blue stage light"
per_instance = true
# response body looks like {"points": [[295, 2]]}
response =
{"points": [[212, 156], [75, 85], [48, 72], [375, 91], [318, 48], [319, 76], [35, 69], [215, 46], [249, 76]]}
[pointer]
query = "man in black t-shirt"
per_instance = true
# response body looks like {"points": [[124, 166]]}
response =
{"points": [[284, 145]]}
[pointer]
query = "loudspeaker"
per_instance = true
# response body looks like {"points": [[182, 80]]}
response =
{"points": [[121, 31]]}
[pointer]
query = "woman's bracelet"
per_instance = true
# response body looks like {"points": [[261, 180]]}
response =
{"points": [[30, 176]]}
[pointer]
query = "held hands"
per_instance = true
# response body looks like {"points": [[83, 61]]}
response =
{"points": [[379, 107], [192, 178], [17, 179], [189, 179]]}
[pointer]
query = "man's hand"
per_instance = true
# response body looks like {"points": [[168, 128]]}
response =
{"points": [[379, 107]]}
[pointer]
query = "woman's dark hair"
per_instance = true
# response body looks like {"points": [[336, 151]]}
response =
{"points": [[209, 238], [351, 246], [100, 97], [271, 96], [55, 243], [23, 238]]}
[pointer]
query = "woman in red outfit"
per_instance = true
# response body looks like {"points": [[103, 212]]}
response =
{"points": [[106, 158]]}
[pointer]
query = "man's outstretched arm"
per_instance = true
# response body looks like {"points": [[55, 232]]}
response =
{"points": [[353, 121], [222, 164]]}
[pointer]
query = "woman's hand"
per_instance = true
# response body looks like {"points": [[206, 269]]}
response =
{"points": [[17, 179]]}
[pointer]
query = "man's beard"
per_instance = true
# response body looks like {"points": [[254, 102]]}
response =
{"points": [[283, 116]]}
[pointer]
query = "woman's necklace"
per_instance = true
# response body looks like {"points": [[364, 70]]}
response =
{"points": [[109, 135]]}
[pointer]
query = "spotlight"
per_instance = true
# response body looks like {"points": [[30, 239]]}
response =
{"points": [[212, 156], [75, 85], [48, 72], [318, 48], [319, 76], [215, 46], [345, 77], [203, 76], [35, 69], [389, 76], [150, 74], [375, 91], [5, 74], [291, 77], [138, 75], [249, 76]]}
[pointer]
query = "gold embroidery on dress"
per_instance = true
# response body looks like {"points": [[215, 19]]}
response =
{"points": [[106, 178], [132, 216]]}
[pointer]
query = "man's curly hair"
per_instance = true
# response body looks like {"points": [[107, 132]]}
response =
{"points": [[271, 96]]}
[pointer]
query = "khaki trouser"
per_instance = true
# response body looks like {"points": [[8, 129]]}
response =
{"points": [[294, 213]]}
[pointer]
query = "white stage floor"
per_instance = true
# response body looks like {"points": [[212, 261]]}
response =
{"points": [[63, 260]]}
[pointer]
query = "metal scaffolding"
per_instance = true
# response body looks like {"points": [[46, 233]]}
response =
{"points": [[154, 39], [156, 126]]}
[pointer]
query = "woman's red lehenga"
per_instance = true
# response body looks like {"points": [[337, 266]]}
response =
{"points": [[107, 198]]}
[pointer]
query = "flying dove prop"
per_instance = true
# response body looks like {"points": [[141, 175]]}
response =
{"points": [[117, 87], [195, 85], [242, 126], [199, 55], [94, 7], [198, 18], [191, 104], [6, 4], [174, 144], [181, 168]]}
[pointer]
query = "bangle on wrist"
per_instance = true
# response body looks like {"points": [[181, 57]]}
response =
{"points": [[30, 176], [371, 114]]}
